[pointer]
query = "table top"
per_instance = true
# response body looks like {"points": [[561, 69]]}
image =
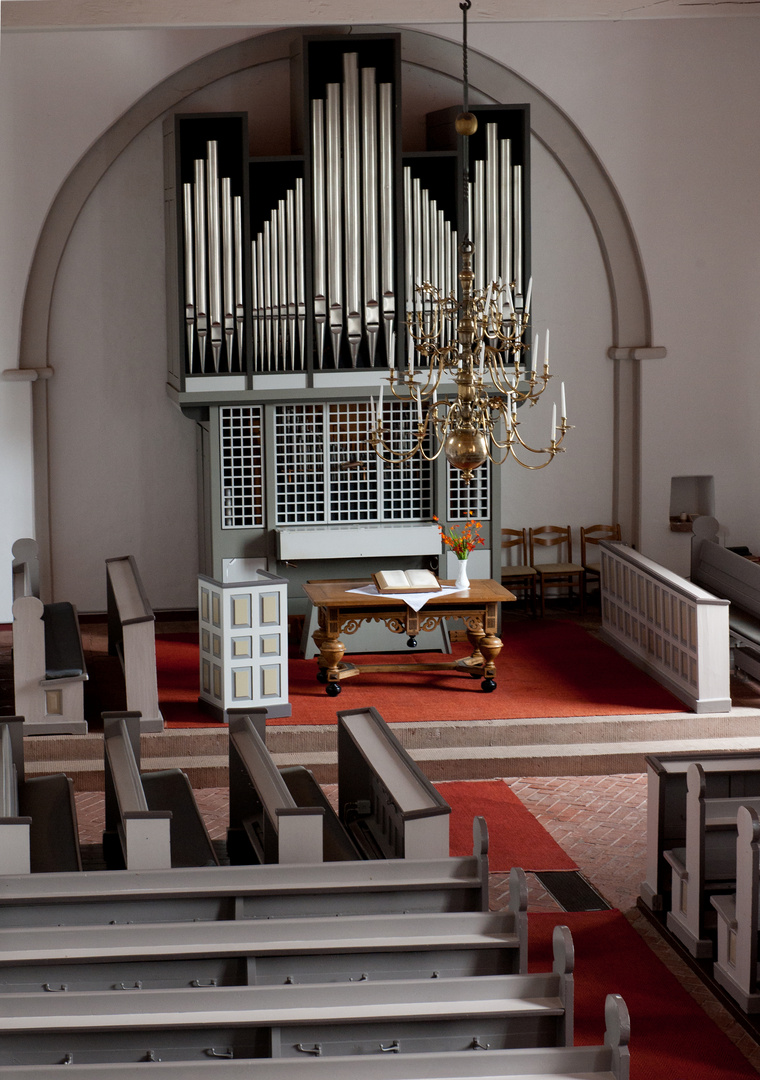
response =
{"points": [[336, 593]]}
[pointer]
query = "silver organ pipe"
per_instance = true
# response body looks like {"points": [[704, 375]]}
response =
{"points": [[267, 278], [228, 265], [200, 258], [300, 274], [369, 201], [492, 204], [320, 242], [282, 276], [517, 230], [290, 241], [239, 307], [352, 201], [214, 242], [505, 158], [334, 218], [385, 100], [187, 221]]}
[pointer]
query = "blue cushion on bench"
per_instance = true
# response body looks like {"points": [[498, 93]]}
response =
{"points": [[63, 645]]}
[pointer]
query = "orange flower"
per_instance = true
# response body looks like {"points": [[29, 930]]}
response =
{"points": [[463, 541]]}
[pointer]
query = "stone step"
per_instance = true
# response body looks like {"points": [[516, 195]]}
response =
{"points": [[452, 750]]}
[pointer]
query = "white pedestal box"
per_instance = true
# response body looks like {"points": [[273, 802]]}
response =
{"points": [[243, 638]]}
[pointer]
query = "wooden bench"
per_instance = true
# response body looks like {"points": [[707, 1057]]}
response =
{"points": [[390, 806], [365, 1017], [25, 568], [152, 820], [38, 822], [726, 775], [706, 865], [48, 667], [735, 578], [608, 1062], [132, 637], [259, 952], [267, 823], [738, 918], [271, 891]]}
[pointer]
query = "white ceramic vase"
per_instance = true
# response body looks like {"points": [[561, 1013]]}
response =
{"points": [[462, 581]]}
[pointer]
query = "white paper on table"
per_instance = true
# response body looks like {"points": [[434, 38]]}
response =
{"points": [[416, 601]]}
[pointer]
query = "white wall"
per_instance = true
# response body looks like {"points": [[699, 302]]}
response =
{"points": [[667, 104]]}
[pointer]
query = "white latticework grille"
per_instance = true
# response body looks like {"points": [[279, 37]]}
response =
{"points": [[300, 464], [241, 471], [473, 499], [327, 472], [406, 492]]}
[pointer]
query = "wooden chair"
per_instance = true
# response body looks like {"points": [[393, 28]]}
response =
{"points": [[559, 574], [518, 575], [592, 535]]}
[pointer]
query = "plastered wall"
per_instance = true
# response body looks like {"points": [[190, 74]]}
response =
{"points": [[668, 105]]}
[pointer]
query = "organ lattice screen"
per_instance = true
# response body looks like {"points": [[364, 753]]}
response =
{"points": [[242, 473], [469, 499], [326, 473]]}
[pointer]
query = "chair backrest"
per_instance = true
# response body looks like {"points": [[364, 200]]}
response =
{"points": [[594, 533], [558, 536], [515, 541]]}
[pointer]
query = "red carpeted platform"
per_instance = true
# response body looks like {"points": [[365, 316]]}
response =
{"points": [[515, 838], [548, 667], [672, 1038]]}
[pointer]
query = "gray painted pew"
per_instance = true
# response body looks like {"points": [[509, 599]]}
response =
{"points": [[706, 865], [390, 806], [608, 1062], [277, 816], [729, 575], [258, 952], [230, 892], [739, 918], [152, 820], [49, 669], [366, 1017], [727, 775], [132, 637], [38, 821]]}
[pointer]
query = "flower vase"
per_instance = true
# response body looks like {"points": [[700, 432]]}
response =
{"points": [[462, 581]]}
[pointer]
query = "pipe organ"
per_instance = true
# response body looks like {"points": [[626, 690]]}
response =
{"points": [[289, 281]]}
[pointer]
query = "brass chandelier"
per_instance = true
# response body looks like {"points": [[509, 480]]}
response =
{"points": [[484, 332]]}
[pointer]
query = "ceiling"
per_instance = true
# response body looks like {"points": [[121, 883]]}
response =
{"points": [[124, 14]]}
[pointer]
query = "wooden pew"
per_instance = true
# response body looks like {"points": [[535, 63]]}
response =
{"points": [[25, 568], [132, 637], [38, 822], [152, 820], [14, 829], [258, 952], [404, 1016], [392, 809], [706, 865], [726, 574], [48, 667], [739, 918], [726, 775], [608, 1062], [266, 823], [203, 893]]}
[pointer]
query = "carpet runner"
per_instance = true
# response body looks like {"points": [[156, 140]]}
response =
{"points": [[515, 837], [547, 668], [672, 1038]]}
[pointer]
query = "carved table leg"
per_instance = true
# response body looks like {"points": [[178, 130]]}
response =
{"points": [[490, 647], [330, 655]]}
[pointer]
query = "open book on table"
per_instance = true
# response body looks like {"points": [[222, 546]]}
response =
{"points": [[400, 581]]}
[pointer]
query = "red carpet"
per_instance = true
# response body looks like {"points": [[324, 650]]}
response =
{"points": [[548, 667], [672, 1038], [515, 838]]}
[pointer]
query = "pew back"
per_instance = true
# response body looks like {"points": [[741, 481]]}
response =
{"points": [[132, 637]]}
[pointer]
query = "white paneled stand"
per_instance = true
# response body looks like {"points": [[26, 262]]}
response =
{"points": [[243, 637], [675, 630]]}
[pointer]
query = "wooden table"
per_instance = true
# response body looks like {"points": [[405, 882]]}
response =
{"points": [[342, 611]]}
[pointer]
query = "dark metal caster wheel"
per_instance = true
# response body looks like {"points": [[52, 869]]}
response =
{"points": [[488, 686], [321, 676], [333, 689], [411, 642]]}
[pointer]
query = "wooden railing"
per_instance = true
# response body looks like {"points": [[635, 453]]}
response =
{"points": [[675, 630]]}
